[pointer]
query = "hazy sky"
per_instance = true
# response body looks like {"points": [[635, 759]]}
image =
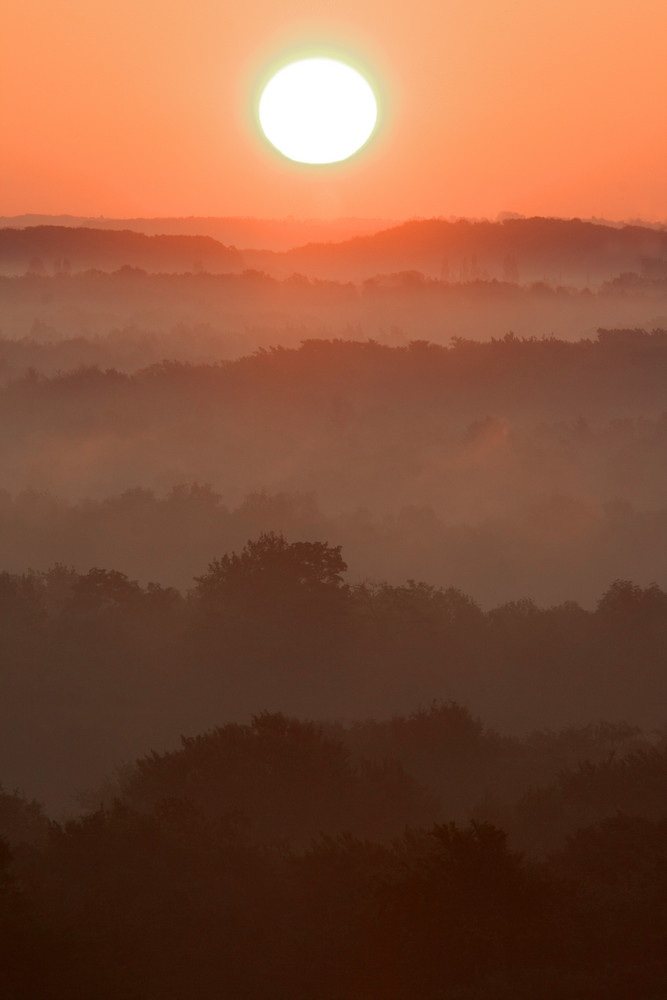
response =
{"points": [[144, 107]]}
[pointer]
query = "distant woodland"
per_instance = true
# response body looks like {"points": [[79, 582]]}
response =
{"points": [[141, 297], [333, 612], [509, 468], [558, 251], [130, 317], [235, 231]]}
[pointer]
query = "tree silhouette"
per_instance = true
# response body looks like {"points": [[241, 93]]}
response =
{"points": [[271, 569]]}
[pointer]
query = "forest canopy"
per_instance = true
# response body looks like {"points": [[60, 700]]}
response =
{"points": [[96, 661]]}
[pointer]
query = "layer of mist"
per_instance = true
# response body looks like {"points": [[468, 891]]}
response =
{"points": [[133, 318], [512, 468]]}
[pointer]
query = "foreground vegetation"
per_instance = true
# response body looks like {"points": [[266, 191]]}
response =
{"points": [[420, 856], [229, 867]]}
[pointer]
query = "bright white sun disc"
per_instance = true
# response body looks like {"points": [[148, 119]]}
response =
{"points": [[317, 111]]}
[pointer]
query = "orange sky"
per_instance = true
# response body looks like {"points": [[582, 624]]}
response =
{"points": [[144, 107]]}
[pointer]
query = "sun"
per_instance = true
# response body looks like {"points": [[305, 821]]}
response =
{"points": [[318, 110]]}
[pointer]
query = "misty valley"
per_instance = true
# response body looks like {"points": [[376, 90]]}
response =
{"points": [[333, 610]]}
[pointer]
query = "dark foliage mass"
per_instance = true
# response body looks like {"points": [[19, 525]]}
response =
{"points": [[95, 664], [255, 861]]}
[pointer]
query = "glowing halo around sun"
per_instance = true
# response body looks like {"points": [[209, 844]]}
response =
{"points": [[318, 110]]}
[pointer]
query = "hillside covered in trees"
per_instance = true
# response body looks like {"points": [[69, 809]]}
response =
{"points": [[276, 524], [558, 251]]}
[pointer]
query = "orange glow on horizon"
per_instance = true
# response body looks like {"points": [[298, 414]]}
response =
{"points": [[125, 109]]}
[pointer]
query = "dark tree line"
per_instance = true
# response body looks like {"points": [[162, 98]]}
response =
{"points": [[96, 665], [555, 549], [169, 891]]}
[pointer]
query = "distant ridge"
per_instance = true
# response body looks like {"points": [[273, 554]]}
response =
{"points": [[49, 249], [560, 251], [568, 252], [267, 234]]}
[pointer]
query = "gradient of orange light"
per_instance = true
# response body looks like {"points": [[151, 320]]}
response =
{"points": [[144, 108]]}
